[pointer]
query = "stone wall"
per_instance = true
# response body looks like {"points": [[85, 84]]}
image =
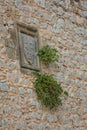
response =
{"points": [[63, 25]]}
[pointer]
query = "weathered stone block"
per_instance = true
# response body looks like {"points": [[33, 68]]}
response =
{"points": [[52, 118], [5, 122], [80, 30], [84, 4], [28, 46], [58, 26], [10, 65], [18, 125], [41, 2], [31, 94], [84, 14], [4, 87], [85, 104], [56, 1], [48, 5], [44, 25], [40, 12], [6, 109], [22, 91], [2, 9], [1, 63], [83, 41], [17, 112], [60, 11]]}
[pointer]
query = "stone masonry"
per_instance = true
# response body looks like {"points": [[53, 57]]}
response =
{"points": [[63, 25]]}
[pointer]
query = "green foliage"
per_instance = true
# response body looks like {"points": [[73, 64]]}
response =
{"points": [[48, 54], [48, 90], [66, 93]]}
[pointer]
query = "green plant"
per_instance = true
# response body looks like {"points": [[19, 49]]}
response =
{"points": [[48, 90], [48, 54]]}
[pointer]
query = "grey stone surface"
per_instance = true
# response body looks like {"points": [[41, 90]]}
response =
{"points": [[62, 3], [56, 1], [81, 30], [84, 14], [73, 17], [47, 17], [2, 9], [2, 95], [22, 91], [52, 118], [26, 8], [54, 8], [59, 76], [35, 115], [41, 127], [79, 123], [5, 122], [85, 104], [67, 4], [31, 93], [49, 127], [81, 128], [41, 2], [57, 27], [10, 65], [24, 81], [2, 41], [24, 125], [44, 25], [3, 30], [60, 11], [33, 20], [6, 109], [48, 5], [17, 112], [35, 103], [40, 12], [78, 82], [83, 41], [11, 53], [33, 125], [18, 125], [1, 20], [81, 94], [58, 128], [1, 64], [72, 109], [64, 119], [18, 2], [68, 128], [10, 22], [3, 50], [85, 76], [4, 86], [29, 45], [16, 77], [84, 4]]}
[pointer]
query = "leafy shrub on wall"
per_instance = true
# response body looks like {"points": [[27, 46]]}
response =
{"points": [[48, 89], [48, 54]]}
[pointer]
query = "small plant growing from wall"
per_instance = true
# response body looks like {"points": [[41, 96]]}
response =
{"points": [[48, 89], [48, 54]]}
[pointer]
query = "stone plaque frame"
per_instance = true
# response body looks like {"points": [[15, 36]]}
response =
{"points": [[28, 46]]}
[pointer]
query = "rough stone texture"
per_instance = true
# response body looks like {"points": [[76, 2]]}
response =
{"points": [[63, 26], [4, 86]]}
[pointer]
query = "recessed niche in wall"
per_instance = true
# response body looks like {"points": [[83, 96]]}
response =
{"points": [[28, 44]]}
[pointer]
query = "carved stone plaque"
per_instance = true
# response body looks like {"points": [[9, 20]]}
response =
{"points": [[28, 42]]}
